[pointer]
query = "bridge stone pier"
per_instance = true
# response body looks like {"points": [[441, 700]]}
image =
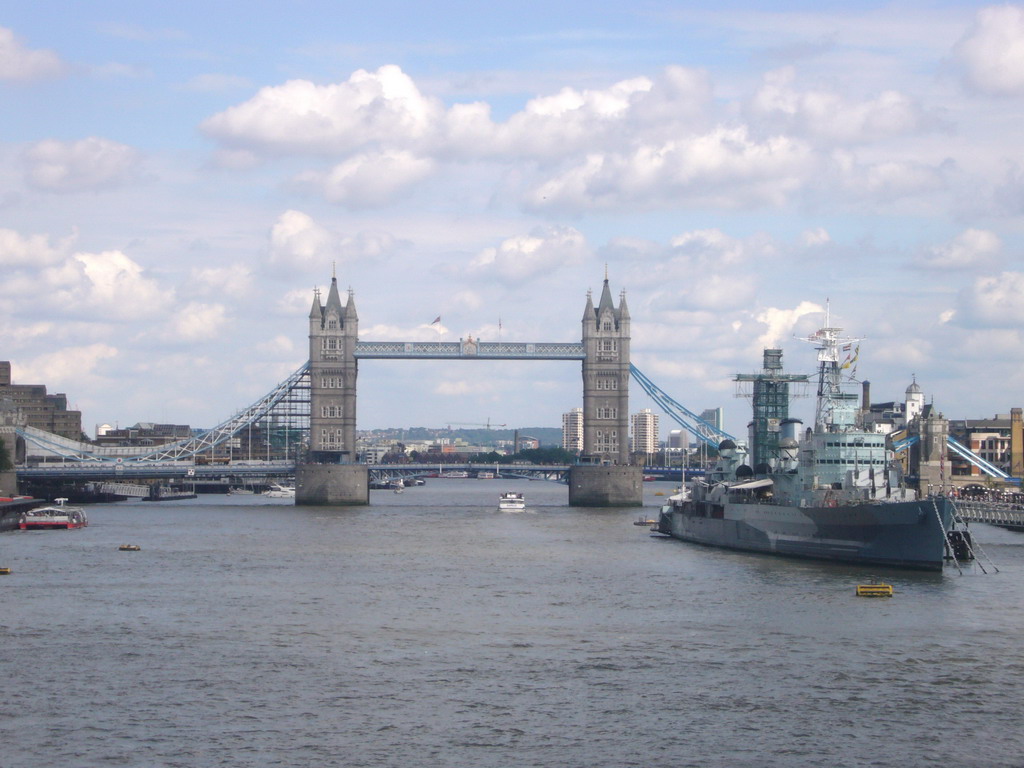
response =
{"points": [[604, 476]]}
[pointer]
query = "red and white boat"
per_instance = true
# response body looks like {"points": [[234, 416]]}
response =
{"points": [[55, 516]]}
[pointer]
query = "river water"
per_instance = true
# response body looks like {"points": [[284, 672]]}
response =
{"points": [[429, 629]]}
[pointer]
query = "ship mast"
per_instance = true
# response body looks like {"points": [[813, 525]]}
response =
{"points": [[833, 411]]}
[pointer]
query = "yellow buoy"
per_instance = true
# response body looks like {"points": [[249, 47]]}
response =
{"points": [[874, 590]]}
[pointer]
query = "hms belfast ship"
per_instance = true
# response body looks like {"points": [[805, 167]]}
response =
{"points": [[836, 494]]}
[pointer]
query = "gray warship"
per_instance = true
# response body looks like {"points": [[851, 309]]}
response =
{"points": [[833, 493]]}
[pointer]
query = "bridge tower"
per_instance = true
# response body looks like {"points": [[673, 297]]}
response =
{"points": [[604, 476], [606, 380], [333, 332], [331, 475]]}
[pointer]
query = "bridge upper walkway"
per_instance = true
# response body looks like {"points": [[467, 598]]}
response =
{"points": [[467, 349]]}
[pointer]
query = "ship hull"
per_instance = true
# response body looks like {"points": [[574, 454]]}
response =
{"points": [[908, 534]]}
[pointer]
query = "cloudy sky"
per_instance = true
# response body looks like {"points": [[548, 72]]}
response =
{"points": [[176, 179]]}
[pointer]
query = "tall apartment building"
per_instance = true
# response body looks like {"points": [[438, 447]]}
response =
{"points": [[644, 432], [572, 430], [35, 408], [714, 417]]}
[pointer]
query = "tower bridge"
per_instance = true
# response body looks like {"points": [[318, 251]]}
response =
{"points": [[331, 474]]}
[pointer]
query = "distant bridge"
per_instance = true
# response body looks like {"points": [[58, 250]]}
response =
{"points": [[255, 472]]}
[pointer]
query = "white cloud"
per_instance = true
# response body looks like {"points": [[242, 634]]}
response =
{"points": [[296, 302], [524, 257], [830, 117], [113, 284], [992, 51], [971, 248], [881, 182], [993, 302], [369, 180], [302, 117], [197, 322], [17, 250], [278, 346], [296, 238], [21, 64], [65, 368], [235, 280], [88, 164], [551, 125], [725, 167], [700, 270], [100, 287]]}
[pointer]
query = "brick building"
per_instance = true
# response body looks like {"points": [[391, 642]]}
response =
{"points": [[30, 405]]}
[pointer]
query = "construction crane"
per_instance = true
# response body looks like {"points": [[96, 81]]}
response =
{"points": [[488, 425]]}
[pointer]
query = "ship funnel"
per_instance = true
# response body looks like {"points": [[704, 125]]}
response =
{"points": [[790, 429]]}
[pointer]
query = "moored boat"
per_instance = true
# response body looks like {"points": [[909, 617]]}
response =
{"points": [[511, 500], [836, 495], [277, 491], [57, 515]]}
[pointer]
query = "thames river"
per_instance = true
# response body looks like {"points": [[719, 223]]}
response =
{"points": [[430, 629]]}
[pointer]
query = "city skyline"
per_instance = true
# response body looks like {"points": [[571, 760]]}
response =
{"points": [[175, 182]]}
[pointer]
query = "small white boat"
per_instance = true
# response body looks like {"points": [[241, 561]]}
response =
{"points": [[511, 500], [280, 492]]}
